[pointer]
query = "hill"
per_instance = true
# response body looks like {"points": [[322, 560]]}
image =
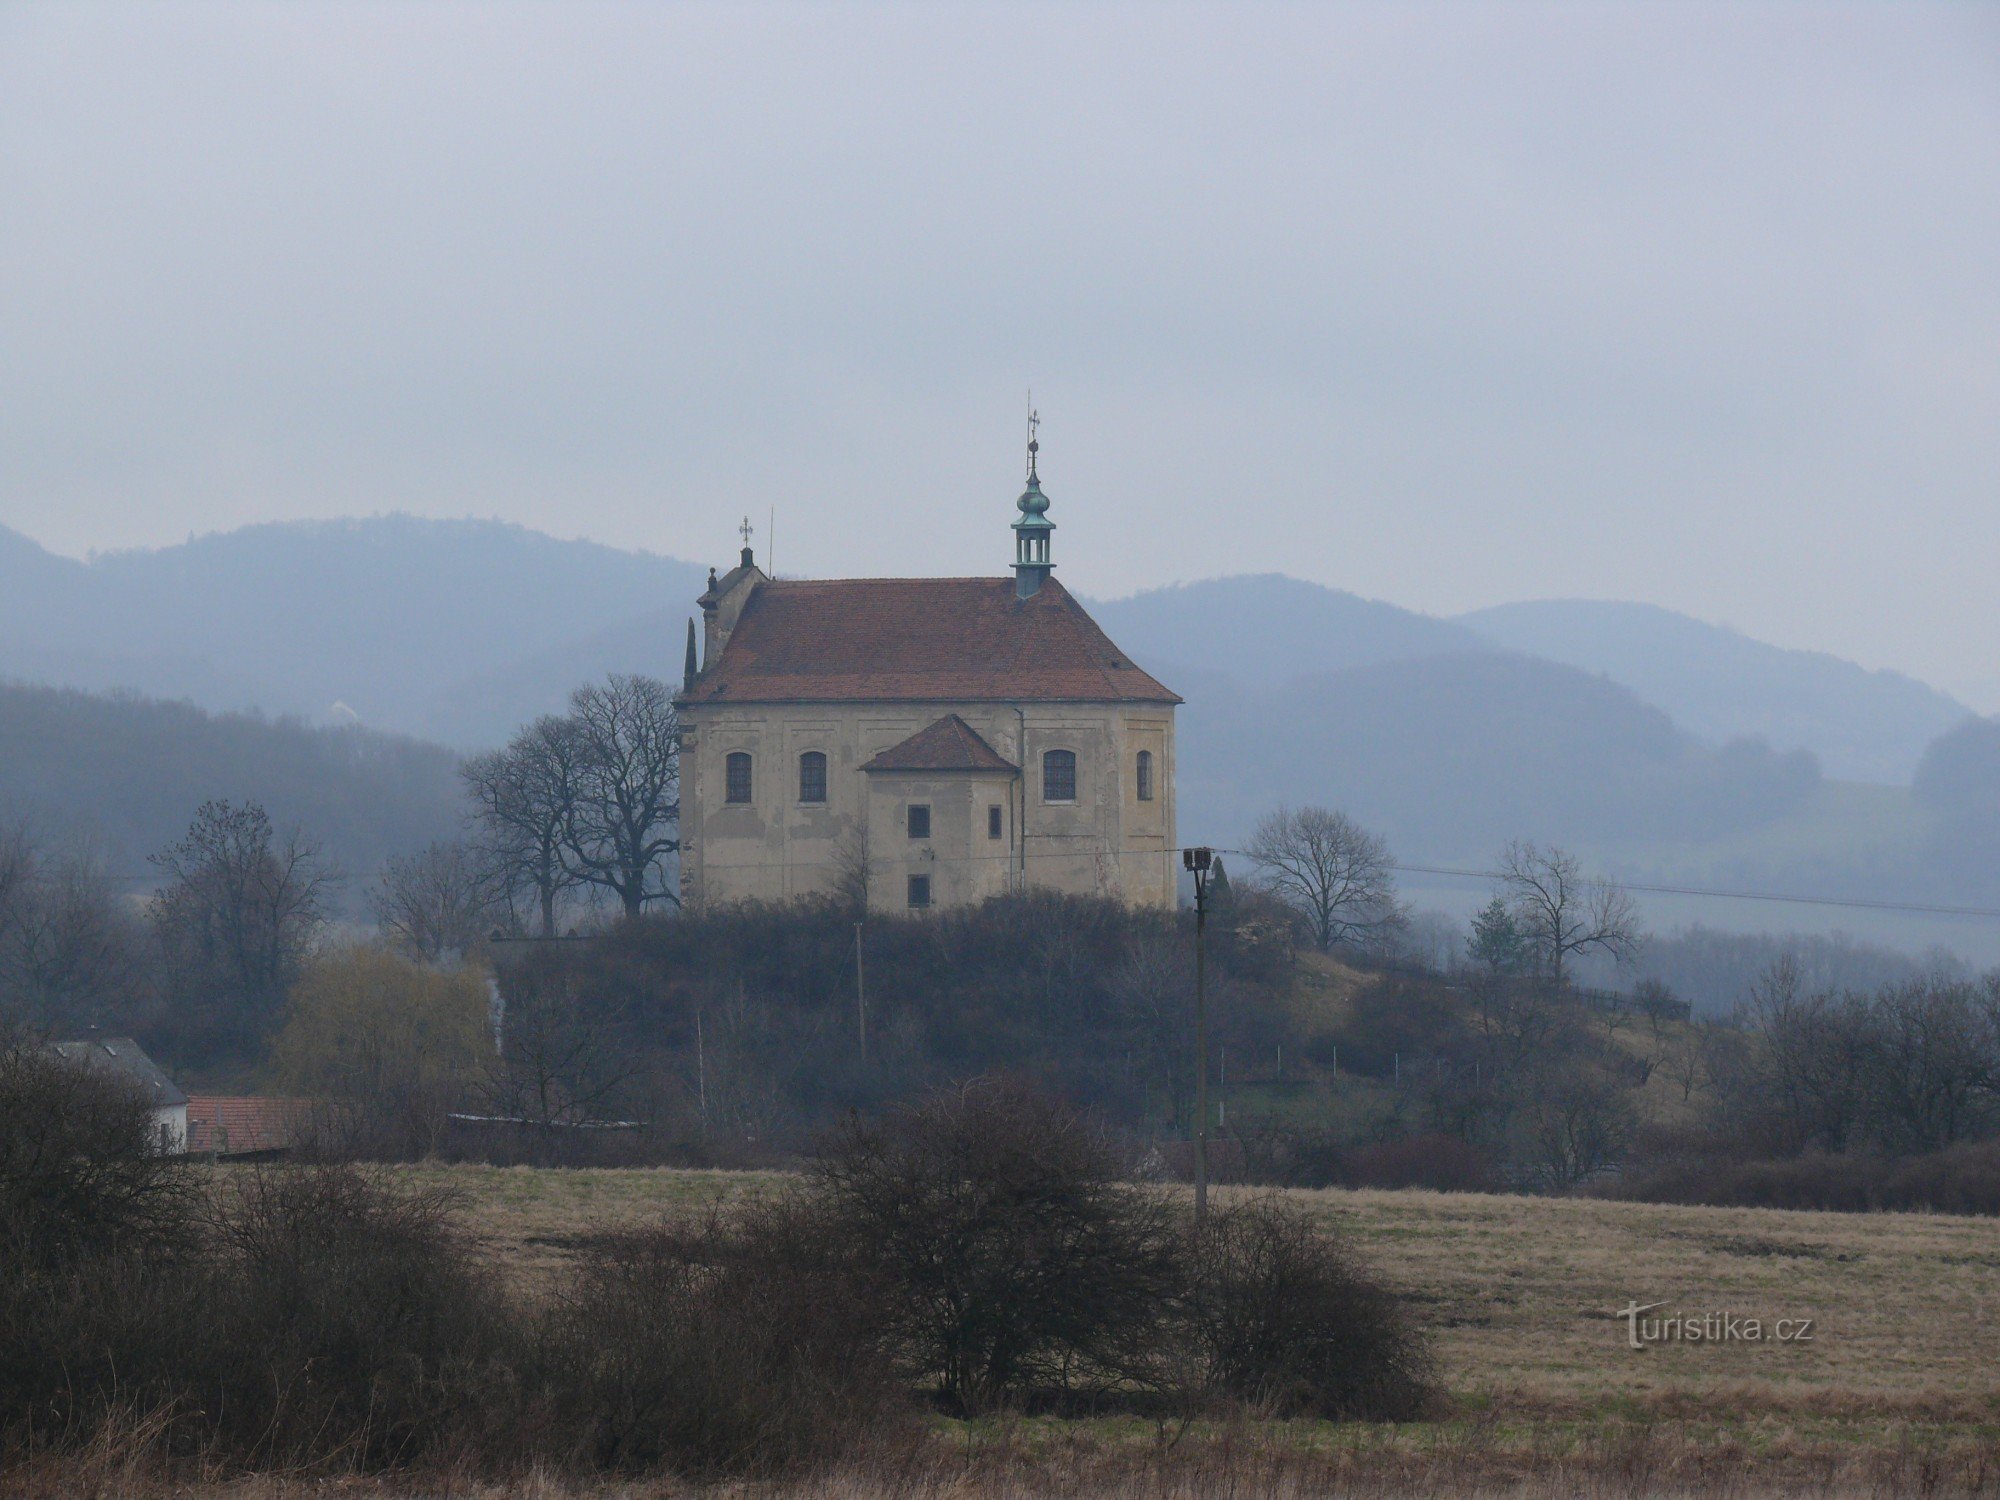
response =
{"points": [[1265, 629], [1720, 684], [373, 615], [1451, 756], [128, 773]]}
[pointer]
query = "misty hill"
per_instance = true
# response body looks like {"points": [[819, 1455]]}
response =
{"points": [[1451, 756], [374, 614], [1266, 628], [1719, 684], [127, 773]]}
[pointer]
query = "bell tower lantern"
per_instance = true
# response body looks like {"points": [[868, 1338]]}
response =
{"points": [[1031, 532]]}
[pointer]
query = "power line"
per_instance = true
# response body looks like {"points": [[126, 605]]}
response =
{"points": [[1850, 903], [1856, 903]]}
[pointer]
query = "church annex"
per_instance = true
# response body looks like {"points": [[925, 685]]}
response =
{"points": [[941, 739]]}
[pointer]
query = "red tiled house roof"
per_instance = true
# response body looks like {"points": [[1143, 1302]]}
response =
{"points": [[238, 1127], [950, 744], [860, 640]]}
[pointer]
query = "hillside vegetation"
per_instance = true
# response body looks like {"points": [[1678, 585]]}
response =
{"points": [[124, 774]]}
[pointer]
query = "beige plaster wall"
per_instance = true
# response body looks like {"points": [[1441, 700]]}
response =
{"points": [[1105, 842]]}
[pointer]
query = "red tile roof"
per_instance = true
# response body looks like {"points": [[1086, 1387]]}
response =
{"points": [[860, 640], [950, 744], [233, 1127]]}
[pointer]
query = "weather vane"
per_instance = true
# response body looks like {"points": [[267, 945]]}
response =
{"points": [[1034, 447]]}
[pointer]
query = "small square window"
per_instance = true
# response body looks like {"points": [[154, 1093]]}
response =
{"points": [[920, 821], [920, 890], [993, 822]]}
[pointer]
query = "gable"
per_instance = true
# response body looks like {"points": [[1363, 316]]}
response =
{"points": [[950, 744]]}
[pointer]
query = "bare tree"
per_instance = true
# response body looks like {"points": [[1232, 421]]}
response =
{"points": [[438, 901], [1562, 912], [624, 819], [561, 1063], [1328, 868], [237, 919], [1573, 1123], [524, 798], [69, 952], [851, 870]]}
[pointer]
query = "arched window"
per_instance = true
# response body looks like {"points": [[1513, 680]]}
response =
{"points": [[736, 776], [812, 777], [1059, 776], [1144, 776]]}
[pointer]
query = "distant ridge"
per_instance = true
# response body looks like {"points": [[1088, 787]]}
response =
{"points": [[1720, 684]]}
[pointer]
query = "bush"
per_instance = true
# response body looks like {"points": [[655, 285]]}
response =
{"points": [[347, 1317], [1014, 1260], [94, 1226], [1286, 1319], [1961, 1179], [79, 1175], [743, 1344]]}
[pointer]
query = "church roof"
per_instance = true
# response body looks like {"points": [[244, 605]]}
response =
{"points": [[860, 640], [950, 744]]}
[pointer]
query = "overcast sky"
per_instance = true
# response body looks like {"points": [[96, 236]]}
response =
{"points": [[1447, 306]]}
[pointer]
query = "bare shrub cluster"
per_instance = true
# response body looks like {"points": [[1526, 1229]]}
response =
{"points": [[977, 1246]]}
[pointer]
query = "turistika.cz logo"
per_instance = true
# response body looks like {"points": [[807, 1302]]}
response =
{"points": [[1709, 1327]]}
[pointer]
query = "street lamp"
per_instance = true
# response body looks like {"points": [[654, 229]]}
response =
{"points": [[1196, 862]]}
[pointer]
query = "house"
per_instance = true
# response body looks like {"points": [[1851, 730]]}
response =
{"points": [[245, 1127], [120, 1057], [921, 742]]}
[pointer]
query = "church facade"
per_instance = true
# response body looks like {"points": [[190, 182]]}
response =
{"points": [[932, 741]]}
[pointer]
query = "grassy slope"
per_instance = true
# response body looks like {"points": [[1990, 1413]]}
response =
{"points": [[1521, 1293]]}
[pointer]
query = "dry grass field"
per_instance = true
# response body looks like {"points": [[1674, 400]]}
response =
{"points": [[1896, 1392], [1522, 1293]]}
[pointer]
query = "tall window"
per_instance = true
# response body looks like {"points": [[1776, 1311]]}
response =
{"points": [[920, 890], [812, 777], [920, 821], [1059, 776], [993, 822], [1145, 776], [736, 776]]}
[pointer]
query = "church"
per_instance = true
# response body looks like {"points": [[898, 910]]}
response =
{"points": [[930, 741]]}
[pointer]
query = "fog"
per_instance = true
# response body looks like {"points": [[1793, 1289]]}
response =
{"points": [[1445, 305]]}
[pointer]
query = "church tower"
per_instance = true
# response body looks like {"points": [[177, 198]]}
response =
{"points": [[1031, 533]]}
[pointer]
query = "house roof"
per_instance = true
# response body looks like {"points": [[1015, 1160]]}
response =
{"points": [[861, 640], [241, 1127], [950, 744], [120, 1057]]}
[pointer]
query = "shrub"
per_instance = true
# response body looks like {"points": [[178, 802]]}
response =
{"points": [[1012, 1259], [742, 1344], [1961, 1179], [93, 1228], [1285, 1318], [347, 1317], [79, 1174]]}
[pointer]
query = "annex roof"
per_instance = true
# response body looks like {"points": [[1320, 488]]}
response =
{"points": [[120, 1057], [861, 640], [244, 1126], [950, 744]]}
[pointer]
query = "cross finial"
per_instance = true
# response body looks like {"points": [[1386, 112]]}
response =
{"points": [[745, 529], [1034, 447]]}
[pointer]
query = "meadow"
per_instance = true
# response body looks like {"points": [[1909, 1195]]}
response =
{"points": [[1895, 1391]]}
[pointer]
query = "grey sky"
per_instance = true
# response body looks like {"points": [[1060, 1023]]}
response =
{"points": [[1448, 305]]}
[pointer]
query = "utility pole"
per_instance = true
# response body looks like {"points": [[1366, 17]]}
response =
{"points": [[1196, 862], [860, 996], [701, 1072]]}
